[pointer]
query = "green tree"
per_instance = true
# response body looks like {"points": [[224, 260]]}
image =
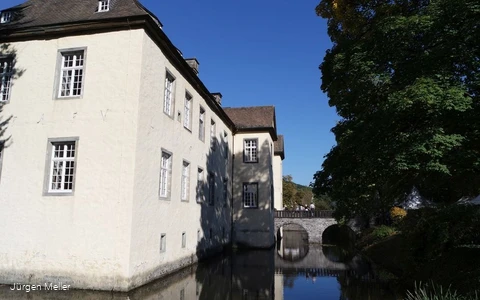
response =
{"points": [[289, 191], [404, 77]]}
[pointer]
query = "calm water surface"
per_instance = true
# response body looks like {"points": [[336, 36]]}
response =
{"points": [[293, 270]]}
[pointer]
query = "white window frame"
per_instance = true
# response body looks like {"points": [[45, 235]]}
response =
{"points": [[200, 185], [6, 17], [71, 77], [165, 174], [163, 242], [103, 5], [185, 192], [225, 137], [201, 124], [250, 150], [184, 239], [6, 75], [250, 195], [187, 111], [67, 147], [213, 133], [169, 94], [211, 188], [2, 153]]}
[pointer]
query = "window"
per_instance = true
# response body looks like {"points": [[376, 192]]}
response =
{"points": [[187, 123], [71, 74], [61, 167], [6, 17], [6, 72], [212, 135], [2, 147], [103, 5], [201, 125], [250, 195], [184, 239], [169, 94], [200, 195], [225, 191], [165, 169], [211, 188], [185, 180], [163, 242], [225, 137], [182, 294], [250, 150]]}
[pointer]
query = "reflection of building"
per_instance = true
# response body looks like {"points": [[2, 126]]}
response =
{"points": [[119, 169]]}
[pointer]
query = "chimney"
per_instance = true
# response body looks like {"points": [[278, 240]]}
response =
{"points": [[193, 63], [218, 98]]}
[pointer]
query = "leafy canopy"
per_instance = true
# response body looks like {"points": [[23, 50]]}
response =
{"points": [[404, 76]]}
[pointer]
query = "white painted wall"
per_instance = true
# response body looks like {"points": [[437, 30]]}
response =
{"points": [[152, 215], [254, 226], [81, 239], [278, 183], [106, 235]]}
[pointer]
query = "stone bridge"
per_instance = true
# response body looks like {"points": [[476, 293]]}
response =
{"points": [[314, 223]]}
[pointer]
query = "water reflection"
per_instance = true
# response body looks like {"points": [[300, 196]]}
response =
{"points": [[305, 272]]}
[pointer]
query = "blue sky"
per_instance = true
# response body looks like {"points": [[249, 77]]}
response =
{"points": [[259, 53]]}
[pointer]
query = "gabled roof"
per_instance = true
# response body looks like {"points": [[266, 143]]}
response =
{"points": [[254, 118], [34, 13], [279, 147]]}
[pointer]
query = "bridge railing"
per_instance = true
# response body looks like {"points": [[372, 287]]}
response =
{"points": [[304, 214]]}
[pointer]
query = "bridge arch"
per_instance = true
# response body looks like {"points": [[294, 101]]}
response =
{"points": [[315, 224]]}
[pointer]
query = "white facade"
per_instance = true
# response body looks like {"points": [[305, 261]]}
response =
{"points": [[120, 167], [277, 173], [106, 233]]}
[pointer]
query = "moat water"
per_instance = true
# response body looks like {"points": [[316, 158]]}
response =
{"points": [[293, 270]]}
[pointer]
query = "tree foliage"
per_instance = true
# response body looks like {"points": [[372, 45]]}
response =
{"points": [[404, 77]]}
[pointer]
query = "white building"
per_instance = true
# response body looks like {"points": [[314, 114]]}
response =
{"points": [[118, 163]]}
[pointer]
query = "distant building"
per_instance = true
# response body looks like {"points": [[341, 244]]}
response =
{"points": [[121, 166]]}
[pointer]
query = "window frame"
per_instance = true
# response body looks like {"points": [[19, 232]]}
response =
{"points": [[102, 4], [185, 182], [61, 53], [8, 75], [201, 124], [227, 147], [168, 174], [163, 242], [6, 17], [184, 240], [225, 191], [187, 111], [211, 188], [245, 185], [49, 166], [2, 154], [246, 158], [200, 193], [171, 92], [213, 135]]}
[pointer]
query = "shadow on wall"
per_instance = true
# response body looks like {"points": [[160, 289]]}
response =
{"points": [[253, 227], [9, 73]]}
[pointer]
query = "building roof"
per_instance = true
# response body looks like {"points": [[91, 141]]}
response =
{"points": [[252, 117], [34, 13], [46, 19], [279, 147]]}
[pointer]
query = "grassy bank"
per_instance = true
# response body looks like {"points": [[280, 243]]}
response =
{"points": [[433, 245]]}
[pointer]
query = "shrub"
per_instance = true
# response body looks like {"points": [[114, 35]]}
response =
{"points": [[397, 214], [382, 231], [436, 292]]}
